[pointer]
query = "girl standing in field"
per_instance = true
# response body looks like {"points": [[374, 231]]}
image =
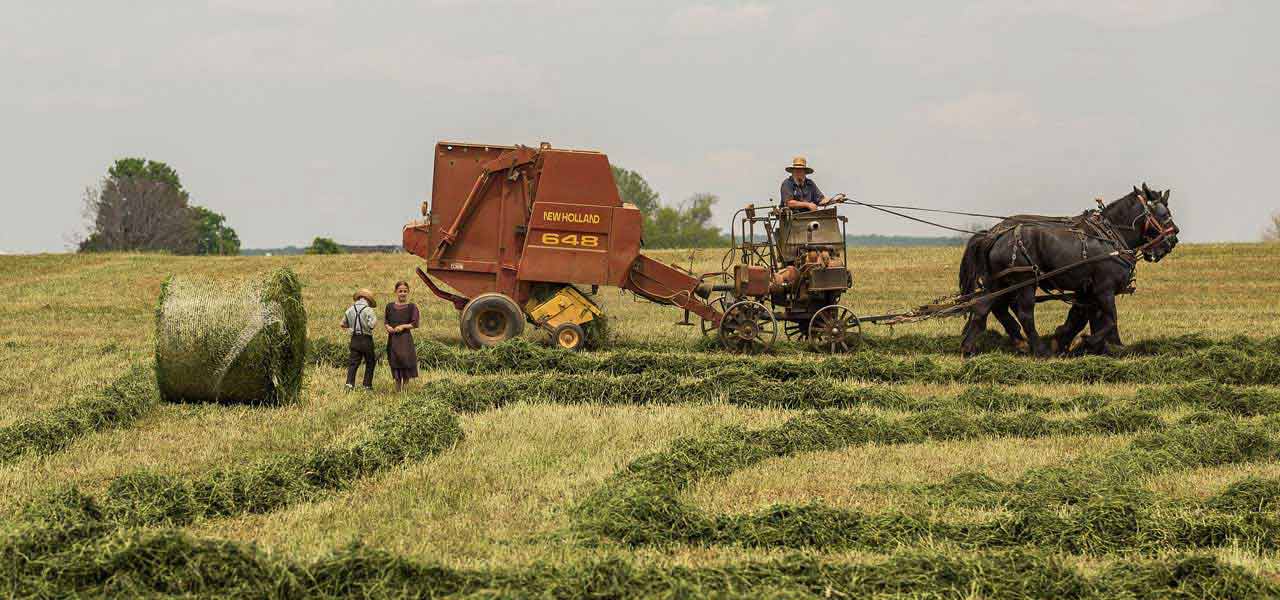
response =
{"points": [[401, 318]]}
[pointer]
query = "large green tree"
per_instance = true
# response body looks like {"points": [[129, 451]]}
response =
{"points": [[687, 225], [151, 170], [133, 214], [634, 189], [142, 206], [139, 206], [212, 234]]}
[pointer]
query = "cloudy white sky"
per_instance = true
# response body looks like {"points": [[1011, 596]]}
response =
{"points": [[298, 119]]}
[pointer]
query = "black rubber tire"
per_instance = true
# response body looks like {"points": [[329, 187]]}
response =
{"points": [[490, 319], [569, 336]]}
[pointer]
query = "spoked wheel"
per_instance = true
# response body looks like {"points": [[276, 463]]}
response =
{"points": [[748, 327], [719, 304], [834, 329], [796, 331]]}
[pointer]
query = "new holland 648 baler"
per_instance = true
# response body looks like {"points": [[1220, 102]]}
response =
{"points": [[512, 229]]}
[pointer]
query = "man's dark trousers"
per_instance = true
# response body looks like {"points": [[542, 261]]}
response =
{"points": [[361, 350]]}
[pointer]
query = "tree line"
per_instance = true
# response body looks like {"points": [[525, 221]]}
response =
{"points": [[142, 206]]}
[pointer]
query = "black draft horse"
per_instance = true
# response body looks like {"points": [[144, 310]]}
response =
{"points": [[1105, 242]]}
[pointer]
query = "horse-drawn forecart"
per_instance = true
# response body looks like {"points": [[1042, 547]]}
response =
{"points": [[516, 230]]}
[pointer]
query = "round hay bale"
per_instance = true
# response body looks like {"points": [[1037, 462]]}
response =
{"points": [[235, 342]]}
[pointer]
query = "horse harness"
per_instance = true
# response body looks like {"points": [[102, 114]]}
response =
{"points": [[1091, 224]]}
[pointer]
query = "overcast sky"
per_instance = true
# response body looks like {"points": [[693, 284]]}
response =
{"points": [[298, 119]]}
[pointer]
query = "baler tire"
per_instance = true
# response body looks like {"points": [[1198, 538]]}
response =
{"points": [[490, 319], [569, 336]]}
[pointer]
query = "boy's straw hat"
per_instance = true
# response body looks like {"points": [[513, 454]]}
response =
{"points": [[367, 295]]}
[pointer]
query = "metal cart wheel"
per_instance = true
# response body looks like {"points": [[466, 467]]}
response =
{"points": [[834, 329], [719, 304], [748, 327], [796, 330]]}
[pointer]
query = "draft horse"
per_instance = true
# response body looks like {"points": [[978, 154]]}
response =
{"points": [[1089, 258]]}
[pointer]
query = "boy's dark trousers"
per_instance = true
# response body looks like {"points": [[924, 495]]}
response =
{"points": [[361, 350]]}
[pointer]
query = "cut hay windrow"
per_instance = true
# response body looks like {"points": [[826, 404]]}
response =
{"points": [[992, 342], [943, 345], [68, 549], [1222, 364], [118, 404], [1121, 473], [933, 415], [1212, 396], [1098, 525], [744, 387], [1192, 342], [415, 429], [641, 504], [243, 342], [731, 386]]}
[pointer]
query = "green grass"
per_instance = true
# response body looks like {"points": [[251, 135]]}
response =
{"points": [[71, 552], [119, 404], [1010, 440], [1222, 364]]}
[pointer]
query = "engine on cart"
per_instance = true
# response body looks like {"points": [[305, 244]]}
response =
{"points": [[790, 266]]}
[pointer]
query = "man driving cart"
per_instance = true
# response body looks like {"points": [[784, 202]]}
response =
{"points": [[799, 193]]}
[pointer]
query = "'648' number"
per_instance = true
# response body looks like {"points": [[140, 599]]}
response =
{"points": [[570, 239]]}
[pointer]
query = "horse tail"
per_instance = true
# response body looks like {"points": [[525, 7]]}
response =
{"points": [[973, 265]]}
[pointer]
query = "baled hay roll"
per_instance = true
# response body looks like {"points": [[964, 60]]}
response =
{"points": [[242, 341]]}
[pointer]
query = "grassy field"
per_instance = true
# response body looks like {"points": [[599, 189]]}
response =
{"points": [[661, 477]]}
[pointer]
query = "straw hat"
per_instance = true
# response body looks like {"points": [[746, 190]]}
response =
{"points": [[799, 163], [367, 295]]}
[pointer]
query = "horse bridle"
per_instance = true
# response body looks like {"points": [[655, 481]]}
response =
{"points": [[1151, 223]]}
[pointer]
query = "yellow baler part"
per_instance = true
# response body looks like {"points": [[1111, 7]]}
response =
{"points": [[567, 306]]}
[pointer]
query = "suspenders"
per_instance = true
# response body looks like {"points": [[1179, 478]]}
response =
{"points": [[358, 327]]}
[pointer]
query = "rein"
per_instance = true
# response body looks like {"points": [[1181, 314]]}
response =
{"points": [[880, 207], [1151, 223]]}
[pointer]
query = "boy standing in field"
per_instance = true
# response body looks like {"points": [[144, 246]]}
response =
{"points": [[360, 319]]}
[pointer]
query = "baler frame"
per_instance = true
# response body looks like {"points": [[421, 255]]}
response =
{"points": [[551, 217]]}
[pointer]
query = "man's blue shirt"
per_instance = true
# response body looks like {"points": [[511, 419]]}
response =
{"points": [[806, 192]]}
